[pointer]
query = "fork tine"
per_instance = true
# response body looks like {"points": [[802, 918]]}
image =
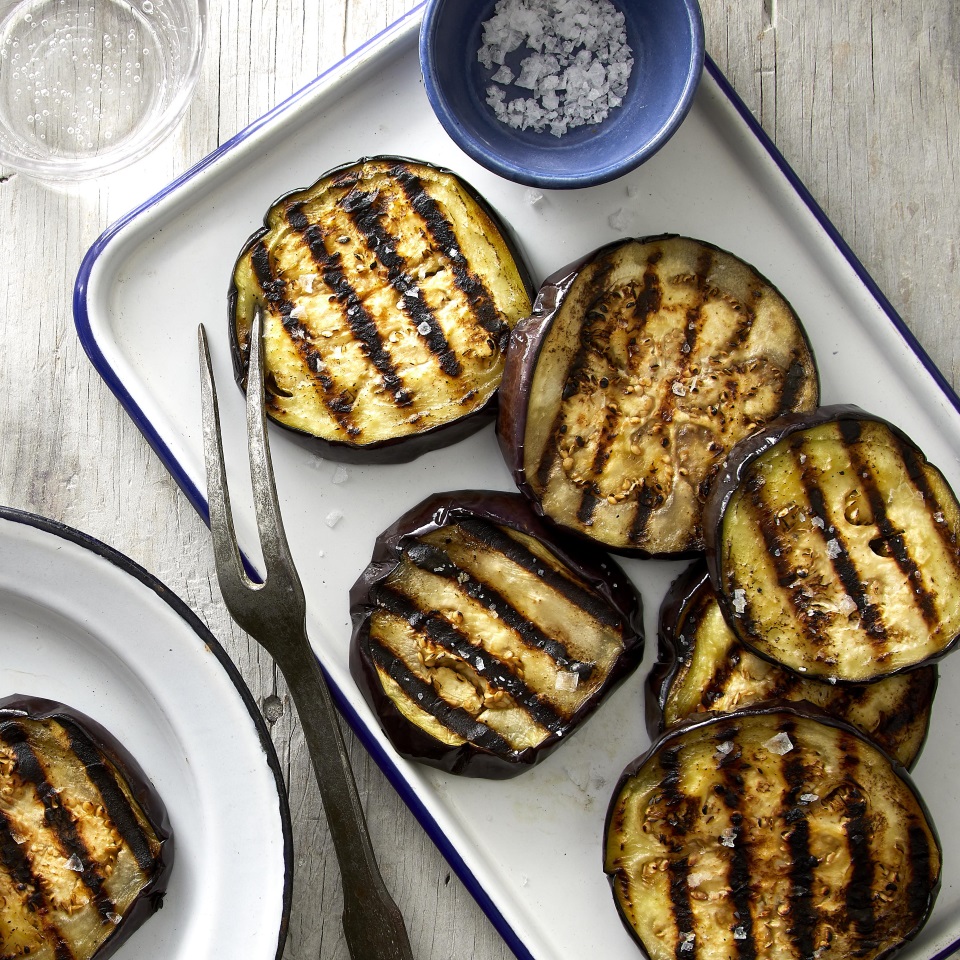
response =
{"points": [[273, 541], [230, 572]]}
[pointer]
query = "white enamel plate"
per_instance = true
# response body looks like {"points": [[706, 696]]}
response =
{"points": [[83, 625]]}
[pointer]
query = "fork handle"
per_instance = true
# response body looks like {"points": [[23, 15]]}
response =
{"points": [[372, 923]]}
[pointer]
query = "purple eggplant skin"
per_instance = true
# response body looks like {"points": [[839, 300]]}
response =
{"points": [[664, 670], [510, 510], [798, 709], [150, 899], [526, 344], [400, 449], [736, 467]]}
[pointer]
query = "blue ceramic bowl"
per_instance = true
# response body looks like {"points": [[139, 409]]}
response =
{"points": [[666, 37]]}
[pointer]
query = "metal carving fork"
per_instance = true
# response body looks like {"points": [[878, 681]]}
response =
{"points": [[274, 614]]}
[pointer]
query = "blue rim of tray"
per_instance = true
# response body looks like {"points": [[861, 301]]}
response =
{"points": [[383, 759], [204, 636]]}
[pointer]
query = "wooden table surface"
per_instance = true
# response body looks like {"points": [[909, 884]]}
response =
{"points": [[861, 97]]}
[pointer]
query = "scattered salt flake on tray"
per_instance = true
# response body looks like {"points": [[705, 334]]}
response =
{"points": [[340, 475], [779, 744], [333, 518], [574, 62]]}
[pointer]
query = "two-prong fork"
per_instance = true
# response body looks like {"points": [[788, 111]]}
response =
{"points": [[274, 614]]}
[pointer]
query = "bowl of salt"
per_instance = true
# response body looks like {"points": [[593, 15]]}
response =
{"points": [[561, 94]]}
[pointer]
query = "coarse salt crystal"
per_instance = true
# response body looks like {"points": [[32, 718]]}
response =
{"points": [[566, 682], [297, 312], [780, 744], [729, 837], [808, 798], [725, 748], [573, 61], [423, 328], [833, 549], [817, 522], [739, 600], [847, 605], [75, 864]]}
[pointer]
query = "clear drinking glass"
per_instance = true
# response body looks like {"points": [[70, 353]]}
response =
{"points": [[87, 86]]}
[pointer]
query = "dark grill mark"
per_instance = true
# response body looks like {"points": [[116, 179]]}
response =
{"points": [[114, 800], [857, 829], [803, 918], [678, 806], [587, 506], [497, 539], [339, 403], [435, 561], [913, 461], [439, 228], [922, 870], [17, 865], [649, 300], [794, 382], [810, 619], [425, 697], [739, 870], [56, 817], [368, 218], [362, 325], [679, 871], [442, 633], [870, 616], [893, 538]]}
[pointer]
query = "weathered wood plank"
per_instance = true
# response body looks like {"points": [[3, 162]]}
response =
{"points": [[862, 98]]}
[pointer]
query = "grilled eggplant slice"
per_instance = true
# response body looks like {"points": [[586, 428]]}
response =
{"points": [[390, 289], [833, 547], [701, 666], [770, 832], [481, 641], [637, 371], [85, 844]]}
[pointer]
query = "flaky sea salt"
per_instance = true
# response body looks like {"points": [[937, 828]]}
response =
{"points": [[780, 744], [570, 62], [729, 837], [739, 600]]}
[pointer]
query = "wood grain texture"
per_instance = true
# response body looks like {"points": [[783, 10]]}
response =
{"points": [[861, 96]]}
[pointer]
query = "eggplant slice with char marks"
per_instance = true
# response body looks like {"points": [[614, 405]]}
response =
{"points": [[637, 371], [770, 832], [703, 667], [85, 844], [834, 547], [481, 640], [390, 289]]}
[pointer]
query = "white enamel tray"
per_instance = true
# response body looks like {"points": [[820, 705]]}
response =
{"points": [[82, 625], [528, 849]]}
